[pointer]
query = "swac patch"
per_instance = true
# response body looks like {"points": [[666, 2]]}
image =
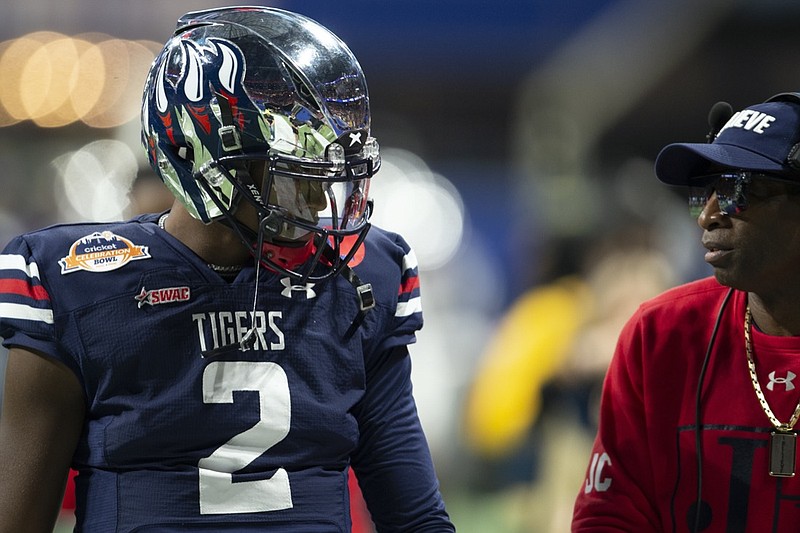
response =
{"points": [[101, 252], [163, 296]]}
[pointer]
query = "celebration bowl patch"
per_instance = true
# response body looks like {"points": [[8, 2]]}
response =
{"points": [[101, 252]]}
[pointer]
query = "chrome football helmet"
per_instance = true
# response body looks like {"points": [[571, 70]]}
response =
{"points": [[267, 107]]}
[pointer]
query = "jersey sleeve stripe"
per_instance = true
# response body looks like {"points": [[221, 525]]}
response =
{"points": [[409, 285], [409, 301], [18, 262], [413, 305], [20, 287], [26, 312], [410, 261]]}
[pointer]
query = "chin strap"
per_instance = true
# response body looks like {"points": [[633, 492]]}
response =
{"points": [[366, 298], [289, 257], [364, 292]]}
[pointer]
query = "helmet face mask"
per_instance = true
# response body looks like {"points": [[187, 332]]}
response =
{"points": [[265, 107], [302, 199]]}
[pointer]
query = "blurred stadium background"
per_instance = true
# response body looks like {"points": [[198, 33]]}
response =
{"points": [[518, 139]]}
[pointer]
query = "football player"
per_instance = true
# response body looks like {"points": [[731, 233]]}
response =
{"points": [[223, 365]]}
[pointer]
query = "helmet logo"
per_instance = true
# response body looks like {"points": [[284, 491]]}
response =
{"points": [[184, 112], [193, 82], [229, 70], [162, 102], [194, 85], [355, 138], [353, 142]]}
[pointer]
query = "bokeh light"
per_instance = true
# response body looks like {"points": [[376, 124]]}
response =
{"points": [[422, 206], [55, 80], [95, 181]]}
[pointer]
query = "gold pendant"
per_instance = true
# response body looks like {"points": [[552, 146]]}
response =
{"points": [[782, 453]]}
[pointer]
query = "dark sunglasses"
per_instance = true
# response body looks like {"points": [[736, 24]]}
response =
{"points": [[731, 189]]}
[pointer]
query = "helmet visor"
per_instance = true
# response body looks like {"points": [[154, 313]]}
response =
{"points": [[309, 203]]}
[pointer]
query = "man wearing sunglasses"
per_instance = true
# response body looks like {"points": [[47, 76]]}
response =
{"points": [[700, 408]]}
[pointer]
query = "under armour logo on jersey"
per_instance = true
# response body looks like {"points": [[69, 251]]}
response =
{"points": [[355, 138], [308, 288], [781, 381]]}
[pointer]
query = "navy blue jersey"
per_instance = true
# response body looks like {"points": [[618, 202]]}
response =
{"points": [[176, 440]]}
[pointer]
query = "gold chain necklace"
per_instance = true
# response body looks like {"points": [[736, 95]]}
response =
{"points": [[783, 440]]}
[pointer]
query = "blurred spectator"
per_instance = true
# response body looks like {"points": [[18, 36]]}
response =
{"points": [[531, 409]]}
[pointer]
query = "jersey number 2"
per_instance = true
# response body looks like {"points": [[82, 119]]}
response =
{"points": [[219, 493]]}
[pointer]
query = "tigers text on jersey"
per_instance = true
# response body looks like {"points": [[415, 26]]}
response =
{"points": [[643, 473], [244, 440]]}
